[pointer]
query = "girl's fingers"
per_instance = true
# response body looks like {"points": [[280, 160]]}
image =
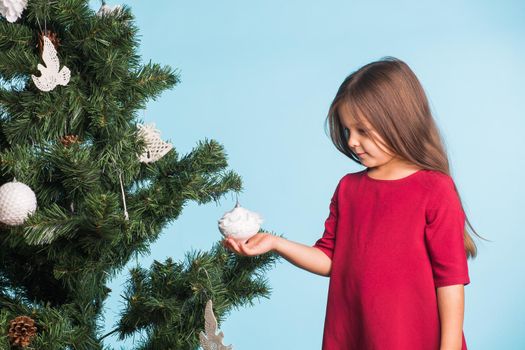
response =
{"points": [[234, 246], [241, 248]]}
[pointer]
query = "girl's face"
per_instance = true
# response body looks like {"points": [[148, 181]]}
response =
{"points": [[365, 142]]}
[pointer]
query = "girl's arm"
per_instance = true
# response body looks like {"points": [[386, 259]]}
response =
{"points": [[451, 301], [303, 256], [308, 258]]}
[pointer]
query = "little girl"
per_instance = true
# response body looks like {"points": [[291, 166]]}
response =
{"points": [[395, 245]]}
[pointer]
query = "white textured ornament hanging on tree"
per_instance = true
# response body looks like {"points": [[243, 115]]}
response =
{"points": [[210, 340], [51, 75], [155, 147], [17, 202], [240, 223], [12, 9]]}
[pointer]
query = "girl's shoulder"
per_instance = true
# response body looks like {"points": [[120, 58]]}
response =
{"points": [[437, 178], [438, 181], [354, 175], [440, 188]]}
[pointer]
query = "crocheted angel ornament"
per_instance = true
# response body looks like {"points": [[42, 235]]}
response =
{"points": [[51, 75]]}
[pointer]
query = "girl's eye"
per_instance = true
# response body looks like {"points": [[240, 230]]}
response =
{"points": [[347, 131]]}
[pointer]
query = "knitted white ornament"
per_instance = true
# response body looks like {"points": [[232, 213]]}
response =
{"points": [[210, 340], [240, 223], [12, 9], [51, 75], [155, 147], [17, 202]]}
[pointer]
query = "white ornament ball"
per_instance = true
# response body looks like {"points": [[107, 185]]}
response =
{"points": [[17, 202], [240, 223]]}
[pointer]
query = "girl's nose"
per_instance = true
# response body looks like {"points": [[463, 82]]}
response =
{"points": [[352, 143]]}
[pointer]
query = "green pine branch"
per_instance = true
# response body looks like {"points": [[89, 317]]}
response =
{"points": [[168, 300], [56, 266]]}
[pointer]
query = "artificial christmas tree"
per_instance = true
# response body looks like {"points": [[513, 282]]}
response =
{"points": [[73, 137]]}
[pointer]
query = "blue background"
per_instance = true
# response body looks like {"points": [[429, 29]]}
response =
{"points": [[259, 76]]}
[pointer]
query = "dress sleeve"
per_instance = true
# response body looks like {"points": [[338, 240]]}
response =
{"points": [[444, 236], [327, 242]]}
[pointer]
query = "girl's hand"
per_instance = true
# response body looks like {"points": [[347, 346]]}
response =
{"points": [[258, 244]]}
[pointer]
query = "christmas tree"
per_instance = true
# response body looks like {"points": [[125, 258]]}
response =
{"points": [[86, 187]]}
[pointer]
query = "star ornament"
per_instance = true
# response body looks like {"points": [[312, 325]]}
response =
{"points": [[51, 75], [155, 147], [211, 340]]}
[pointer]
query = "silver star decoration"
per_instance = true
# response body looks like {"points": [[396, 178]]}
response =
{"points": [[209, 340]]}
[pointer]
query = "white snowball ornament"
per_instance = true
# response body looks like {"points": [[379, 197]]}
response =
{"points": [[17, 202], [240, 223], [12, 9]]}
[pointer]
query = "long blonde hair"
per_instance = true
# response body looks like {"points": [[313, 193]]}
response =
{"points": [[389, 95]]}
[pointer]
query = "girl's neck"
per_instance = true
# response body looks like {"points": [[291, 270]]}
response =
{"points": [[392, 171]]}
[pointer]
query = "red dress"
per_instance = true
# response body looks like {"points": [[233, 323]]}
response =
{"points": [[392, 243]]}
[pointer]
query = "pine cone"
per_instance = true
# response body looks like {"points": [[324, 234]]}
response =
{"points": [[52, 37], [21, 331], [68, 140]]}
